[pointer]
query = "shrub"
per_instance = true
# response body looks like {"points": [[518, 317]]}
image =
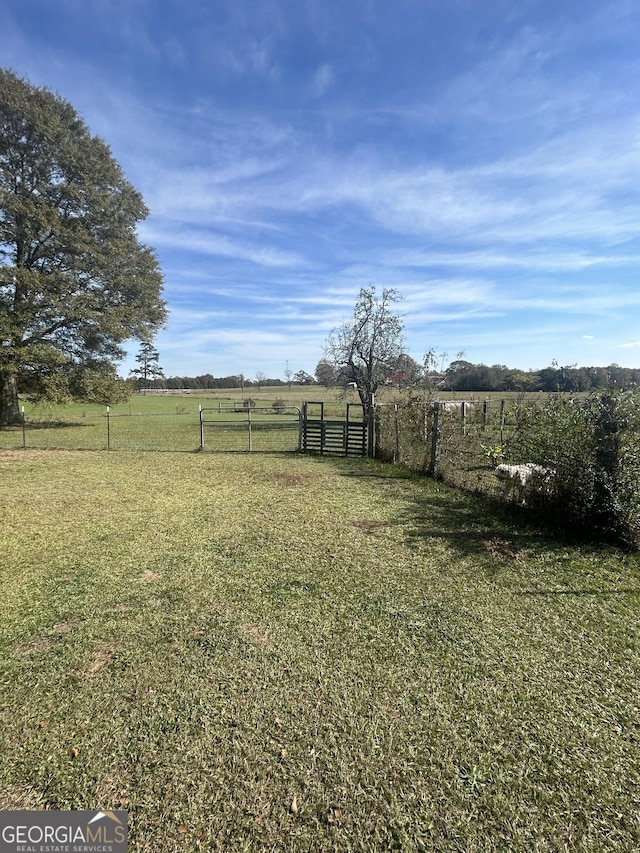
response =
{"points": [[593, 445]]}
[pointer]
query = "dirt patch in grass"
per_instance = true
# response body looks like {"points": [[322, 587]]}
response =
{"points": [[46, 642], [290, 480], [100, 658], [283, 479], [12, 455], [503, 550]]}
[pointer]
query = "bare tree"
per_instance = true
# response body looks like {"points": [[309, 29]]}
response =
{"points": [[260, 379], [366, 348]]}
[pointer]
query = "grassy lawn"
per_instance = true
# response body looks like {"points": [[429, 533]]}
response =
{"points": [[274, 653]]}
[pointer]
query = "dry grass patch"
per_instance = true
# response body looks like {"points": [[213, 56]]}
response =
{"points": [[113, 788], [149, 577], [258, 635], [100, 658], [20, 797], [38, 645]]}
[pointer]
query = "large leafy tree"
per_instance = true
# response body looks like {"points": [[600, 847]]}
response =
{"points": [[75, 281], [326, 373], [365, 349]]}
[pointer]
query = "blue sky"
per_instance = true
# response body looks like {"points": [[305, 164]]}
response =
{"points": [[480, 156]]}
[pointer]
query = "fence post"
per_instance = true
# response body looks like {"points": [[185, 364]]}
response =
{"points": [[370, 427], [435, 439], [24, 430], [303, 427], [201, 426], [396, 455], [108, 429]]}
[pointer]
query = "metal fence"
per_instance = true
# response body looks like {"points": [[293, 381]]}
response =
{"points": [[588, 447], [240, 426], [251, 428]]}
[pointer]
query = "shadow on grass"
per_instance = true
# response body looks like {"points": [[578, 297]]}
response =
{"points": [[580, 592], [35, 425], [473, 525]]}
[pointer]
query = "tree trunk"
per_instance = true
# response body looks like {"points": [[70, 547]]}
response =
{"points": [[9, 407]]}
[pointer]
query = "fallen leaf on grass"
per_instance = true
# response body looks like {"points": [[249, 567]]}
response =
{"points": [[333, 814]]}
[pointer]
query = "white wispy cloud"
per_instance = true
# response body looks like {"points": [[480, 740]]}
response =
{"points": [[213, 244], [322, 81]]}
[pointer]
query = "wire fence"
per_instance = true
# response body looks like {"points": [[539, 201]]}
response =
{"points": [[237, 427], [105, 431], [576, 458]]}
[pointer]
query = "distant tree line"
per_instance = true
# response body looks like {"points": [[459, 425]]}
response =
{"points": [[207, 382], [460, 376], [464, 376]]}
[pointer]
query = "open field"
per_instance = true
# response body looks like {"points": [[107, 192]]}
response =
{"points": [[274, 653], [160, 421], [171, 421]]}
